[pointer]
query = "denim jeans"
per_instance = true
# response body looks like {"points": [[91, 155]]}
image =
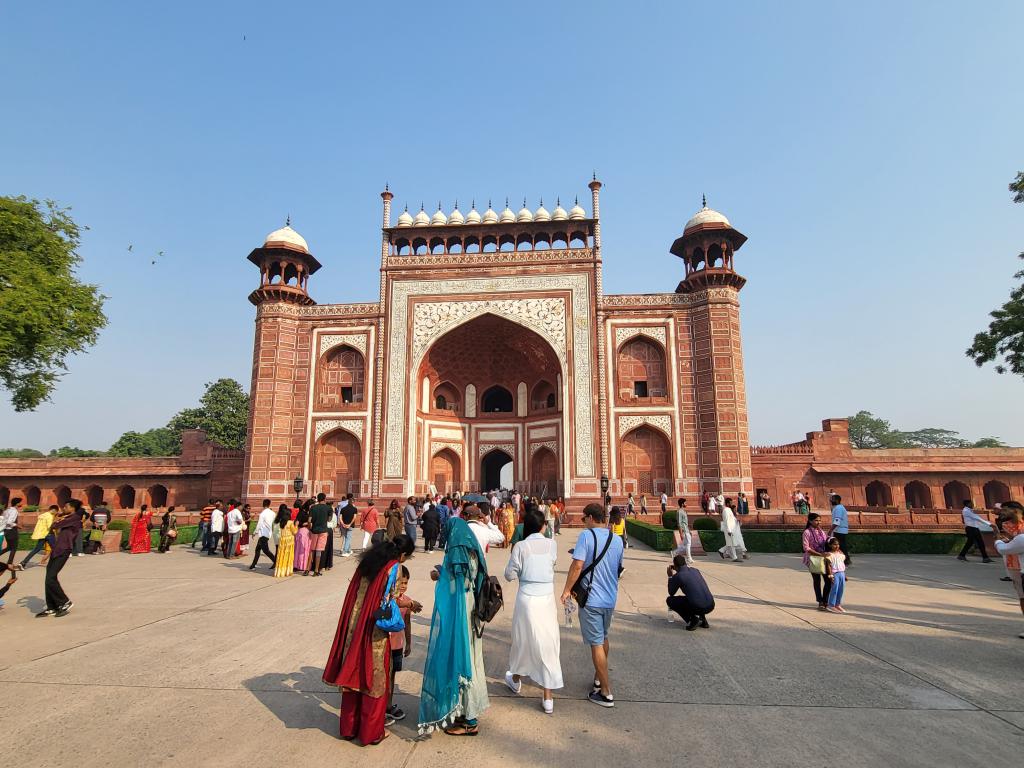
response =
{"points": [[410, 531], [202, 535], [233, 539], [346, 548]]}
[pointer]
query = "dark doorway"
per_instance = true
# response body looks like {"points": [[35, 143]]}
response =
{"points": [[490, 470], [497, 400]]}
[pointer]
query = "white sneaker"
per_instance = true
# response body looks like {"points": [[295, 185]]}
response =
{"points": [[512, 684], [548, 705]]}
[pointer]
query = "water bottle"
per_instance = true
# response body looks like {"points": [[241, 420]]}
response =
{"points": [[671, 616], [570, 609]]}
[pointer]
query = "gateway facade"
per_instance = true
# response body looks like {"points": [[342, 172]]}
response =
{"points": [[494, 358]]}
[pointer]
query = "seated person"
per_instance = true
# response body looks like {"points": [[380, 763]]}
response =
{"points": [[696, 600]]}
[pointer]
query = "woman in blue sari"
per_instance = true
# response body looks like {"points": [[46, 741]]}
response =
{"points": [[454, 685]]}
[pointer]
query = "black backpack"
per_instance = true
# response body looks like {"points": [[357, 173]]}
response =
{"points": [[489, 601]]}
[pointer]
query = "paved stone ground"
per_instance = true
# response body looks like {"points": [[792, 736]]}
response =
{"points": [[184, 659]]}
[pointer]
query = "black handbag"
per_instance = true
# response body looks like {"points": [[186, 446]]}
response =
{"points": [[581, 592]]}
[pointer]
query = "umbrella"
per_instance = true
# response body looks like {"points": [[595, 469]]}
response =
{"points": [[476, 498]]}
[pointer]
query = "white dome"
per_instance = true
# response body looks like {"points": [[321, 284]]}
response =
{"points": [[576, 212], [404, 219], [286, 237], [541, 214], [507, 217], [473, 217], [706, 216], [421, 219], [456, 216], [490, 217], [559, 213], [525, 214], [438, 218]]}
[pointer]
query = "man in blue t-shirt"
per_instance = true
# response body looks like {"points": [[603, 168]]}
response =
{"points": [[603, 581], [840, 526]]}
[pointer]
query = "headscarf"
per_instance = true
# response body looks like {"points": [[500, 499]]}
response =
{"points": [[449, 669]]}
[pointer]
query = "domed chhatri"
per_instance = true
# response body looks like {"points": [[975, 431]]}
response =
{"points": [[707, 217], [286, 237], [456, 216], [438, 219], [473, 217], [421, 220], [490, 217], [559, 213], [525, 214], [541, 214], [404, 219], [507, 217], [576, 212]]}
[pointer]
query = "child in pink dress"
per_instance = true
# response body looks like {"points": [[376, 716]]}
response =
{"points": [[835, 567]]}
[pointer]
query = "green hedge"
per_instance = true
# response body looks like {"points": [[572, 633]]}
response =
{"points": [[185, 534], [896, 543], [654, 536]]}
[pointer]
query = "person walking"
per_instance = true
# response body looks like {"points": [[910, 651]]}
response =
{"points": [[359, 662], [67, 526], [696, 600], [9, 526], [643, 505], [664, 502], [617, 523], [737, 532], [346, 527], [973, 524], [454, 690], [683, 537], [630, 506], [234, 522], [370, 524], [303, 540], [431, 520], [728, 527], [168, 530], [216, 526], [536, 643], [393, 519], [594, 576], [1010, 544], [41, 533], [813, 542], [203, 529], [100, 519], [284, 558], [411, 518], [319, 515], [264, 534], [139, 539]]}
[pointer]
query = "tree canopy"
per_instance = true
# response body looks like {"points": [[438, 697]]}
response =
{"points": [[154, 442], [46, 313], [870, 431], [20, 453], [1004, 337]]}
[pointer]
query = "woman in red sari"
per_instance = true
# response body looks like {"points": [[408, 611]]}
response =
{"points": [[138, 539], [360, 659]]}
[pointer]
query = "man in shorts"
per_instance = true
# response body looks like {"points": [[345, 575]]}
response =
{"points": [[603, 583], [319, 514]]}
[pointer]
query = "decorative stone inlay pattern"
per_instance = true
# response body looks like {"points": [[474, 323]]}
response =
{"points": [[323, 426], [354, 340], [483, 448], [545, 316], [437, 446], [496, 257], [655, 332], [551, 445], [398, 362], [284, 309], [662, 422]]}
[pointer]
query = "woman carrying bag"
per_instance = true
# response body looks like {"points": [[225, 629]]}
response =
{"points": [[814, 540]]}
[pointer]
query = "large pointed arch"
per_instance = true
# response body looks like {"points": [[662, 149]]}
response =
{"points": [[337, 461]]}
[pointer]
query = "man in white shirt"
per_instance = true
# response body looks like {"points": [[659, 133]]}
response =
{"points": [[216, 526], [264, 533], [1015, 546], [664, 503], [712, 505], [9, 525], [486, 532], [235, 522], [973, 523]]}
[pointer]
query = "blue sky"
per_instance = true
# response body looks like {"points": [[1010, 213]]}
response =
{"points": [[863, 148]]}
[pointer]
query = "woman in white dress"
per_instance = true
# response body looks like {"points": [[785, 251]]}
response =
{"points": [[734, 545], [536, 644]]}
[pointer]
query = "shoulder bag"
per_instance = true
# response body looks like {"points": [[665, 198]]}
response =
{"points": [[581, 592], [816, 564], [388, 617]]}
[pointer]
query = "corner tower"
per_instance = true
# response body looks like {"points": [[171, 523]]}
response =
{"points": [[707, 247]]}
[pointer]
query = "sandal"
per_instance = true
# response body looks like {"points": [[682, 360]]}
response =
{"points": [[461, 729], [378, 741]]}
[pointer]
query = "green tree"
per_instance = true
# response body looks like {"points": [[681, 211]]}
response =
{"points": [[154, 442], [67, 452], [869, 431], [46, 314], [1005, 335], [223, 413], [20, 453], [931, 437], [988, 442]]}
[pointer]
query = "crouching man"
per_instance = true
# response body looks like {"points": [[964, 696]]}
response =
{"points": [[696, 600]]}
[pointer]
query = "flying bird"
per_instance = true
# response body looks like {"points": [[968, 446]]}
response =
{"points": [[129, 249]]}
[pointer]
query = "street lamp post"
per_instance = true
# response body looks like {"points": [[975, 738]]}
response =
{"points": [[604, 487]]}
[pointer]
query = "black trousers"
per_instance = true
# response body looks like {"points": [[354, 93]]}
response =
{"points": [[841, 538], [821, 595], [682, 605], [214, 541], [10, 544], [55, 596], [973, 540], [263, 548]]}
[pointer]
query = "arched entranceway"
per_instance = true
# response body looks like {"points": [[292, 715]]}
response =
{"points": [[918, 495], [338, 463], [645, 461], [62, 495], [955, 493], [31, 495], [497, 399], [444, 471], [544, 473], [496, 471], [126, 497], [157, 495], [93, 496], [878, 494], [341, 378], [996, 492]]}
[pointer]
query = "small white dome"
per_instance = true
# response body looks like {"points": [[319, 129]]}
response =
{"points": [[473, 217], [706, 216], [421, 219], [404, 219], [576, 212], [438, 218], [490, 217], [507, 217], [541, 214], [525, 214], [559, 213], [286, 237], [456, 216]]}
